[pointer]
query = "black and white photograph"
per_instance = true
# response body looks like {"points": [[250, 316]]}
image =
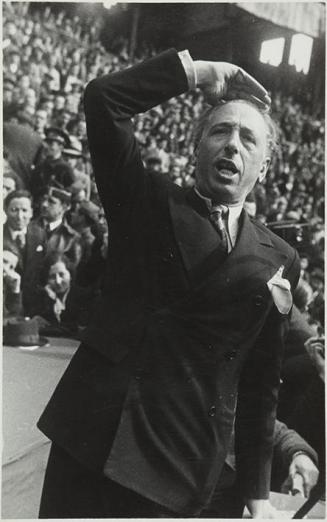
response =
{"points": [[163, 248]]}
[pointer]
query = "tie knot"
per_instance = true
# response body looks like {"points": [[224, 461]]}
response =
{"points": [[20, 239], [221, 210]]}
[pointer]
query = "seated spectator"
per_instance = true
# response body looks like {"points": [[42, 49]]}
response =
{"points": [[57, 277], [11, 289], [30, 240], [308, 414], [292, 455], [84, 219], [297, 368], [61, 237], [293, 458], [303, 295]]}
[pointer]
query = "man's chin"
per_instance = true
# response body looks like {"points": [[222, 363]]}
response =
{"points": [[223, 193]]}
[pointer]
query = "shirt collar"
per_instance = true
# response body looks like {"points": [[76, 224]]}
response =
{"points": [[54, 224], [233, 211], [15, 233]]}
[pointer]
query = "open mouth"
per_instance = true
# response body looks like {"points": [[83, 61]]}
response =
{"points": [[226, 167]]}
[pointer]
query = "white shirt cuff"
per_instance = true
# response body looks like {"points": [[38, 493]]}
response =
{"points": [[189, 68]]}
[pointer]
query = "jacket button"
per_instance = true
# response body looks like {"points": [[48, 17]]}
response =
{"points": [[230, 354], [258, 300], [212, 411]]}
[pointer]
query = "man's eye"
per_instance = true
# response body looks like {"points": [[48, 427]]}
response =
{"points": [[217, 131], [249, 138]]}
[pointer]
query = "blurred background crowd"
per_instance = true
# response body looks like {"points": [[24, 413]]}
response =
{"points": [[48, 58], [55, 236]]}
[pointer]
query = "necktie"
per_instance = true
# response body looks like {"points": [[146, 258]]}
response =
{"points": [[20, 241], [216, 218], [48, 230]]}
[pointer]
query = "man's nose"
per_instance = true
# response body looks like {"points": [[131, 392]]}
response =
{"points": [[232, 143]]}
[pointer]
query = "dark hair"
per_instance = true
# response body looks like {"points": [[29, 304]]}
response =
{"points": [[51, 260], [17, 194], [272, 132]]}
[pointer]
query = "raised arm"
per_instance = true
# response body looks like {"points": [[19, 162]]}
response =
{"points": [[112, 100], [110, 103]]}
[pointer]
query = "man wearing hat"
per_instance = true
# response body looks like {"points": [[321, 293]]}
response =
{"points": [[54, 170], [73, 155], [61, 237]]}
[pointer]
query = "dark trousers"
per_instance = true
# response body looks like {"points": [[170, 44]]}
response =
{"points": [[71, 491]]}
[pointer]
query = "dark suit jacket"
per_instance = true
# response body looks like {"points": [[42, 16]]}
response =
{"points": [[64, 240], [178, 335], [30, 264]]}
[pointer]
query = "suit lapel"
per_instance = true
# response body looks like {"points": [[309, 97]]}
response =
{"points": [[194, 234], [254, 252], [254, 255]]}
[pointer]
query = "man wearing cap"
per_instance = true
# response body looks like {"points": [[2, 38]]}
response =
{"points": [[61, 237], [187, 341], [54, 170], [73, 155]]}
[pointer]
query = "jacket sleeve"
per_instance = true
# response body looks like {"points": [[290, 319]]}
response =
{"points": [[257, 401], [287, 442], [110, 103]]}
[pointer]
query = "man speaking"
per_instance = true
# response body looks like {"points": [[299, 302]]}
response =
{"points": [[186, 345]]}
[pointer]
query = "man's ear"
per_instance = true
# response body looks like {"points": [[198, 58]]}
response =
{"points": [[264, 169]]}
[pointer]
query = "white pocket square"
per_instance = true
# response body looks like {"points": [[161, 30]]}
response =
{"points": [[280, 289], [39, 248]]}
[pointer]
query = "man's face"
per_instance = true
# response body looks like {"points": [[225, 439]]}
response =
{"points": [[59, 102], [232, 153], [9, 262], [59, 278], [48, 106], [52, 209], [54, 149], [41, 119], [19, 213], [8, 185]]}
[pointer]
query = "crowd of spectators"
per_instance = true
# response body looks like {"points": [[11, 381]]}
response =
{"points": [[55, 237], [48, 58]]}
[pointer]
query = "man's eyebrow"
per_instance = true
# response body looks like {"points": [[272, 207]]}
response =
{"points": [[229, 124]]}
